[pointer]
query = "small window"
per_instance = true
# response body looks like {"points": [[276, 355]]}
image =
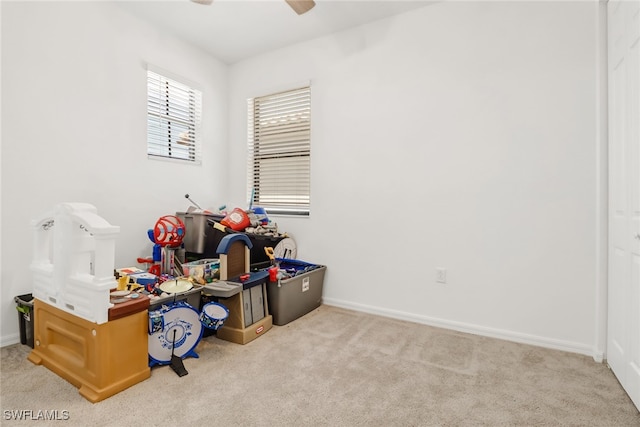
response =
{"points": [[173, 119], [279, 136]]}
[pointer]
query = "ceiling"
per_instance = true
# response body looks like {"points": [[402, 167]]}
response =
{"points": [[232, 30]]}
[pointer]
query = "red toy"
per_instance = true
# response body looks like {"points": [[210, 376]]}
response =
{"points": [[236, 220], [169, 231]]}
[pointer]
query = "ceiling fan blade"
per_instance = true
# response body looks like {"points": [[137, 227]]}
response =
{"points": [[207, 2], [301, 6]]}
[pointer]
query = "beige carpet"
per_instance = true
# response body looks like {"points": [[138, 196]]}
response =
{"points": [[335, 367]]}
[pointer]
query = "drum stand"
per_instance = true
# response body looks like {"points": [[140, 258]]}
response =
{"points": [[176, 362]]}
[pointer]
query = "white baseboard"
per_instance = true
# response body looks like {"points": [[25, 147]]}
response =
{"points": [[568, 346], [538, 341], [9, 339]]}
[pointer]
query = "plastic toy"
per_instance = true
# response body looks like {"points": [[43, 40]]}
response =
{"points": [[169, 231], [156, 257]]}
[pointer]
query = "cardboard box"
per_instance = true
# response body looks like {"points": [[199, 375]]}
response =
{"points": [[292, 298]]}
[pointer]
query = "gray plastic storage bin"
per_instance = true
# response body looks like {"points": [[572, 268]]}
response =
{"points": [[201, 239], [289, 299]]}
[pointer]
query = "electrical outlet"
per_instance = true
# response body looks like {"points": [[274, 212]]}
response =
{"points": [[441, 275]]}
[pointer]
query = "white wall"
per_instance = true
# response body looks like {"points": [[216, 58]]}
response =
{"points": [[463, 136], [74, 128]]}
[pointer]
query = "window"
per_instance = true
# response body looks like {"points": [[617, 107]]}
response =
{"points": [[173, 119], [279, 134]]}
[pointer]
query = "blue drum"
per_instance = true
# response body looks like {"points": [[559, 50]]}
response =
{"points": [[213, 315]]}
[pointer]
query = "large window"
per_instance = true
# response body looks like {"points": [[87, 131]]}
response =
{"points": [[173, 119], [279, 134]]}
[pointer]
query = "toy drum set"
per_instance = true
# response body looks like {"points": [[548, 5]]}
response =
{"points": [[213, 315], [176, 329]]}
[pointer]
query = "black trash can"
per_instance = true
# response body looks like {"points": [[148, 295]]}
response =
{"points": [[25, 318]]}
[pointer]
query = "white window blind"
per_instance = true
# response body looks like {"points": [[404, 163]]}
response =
{"points": [[279, 135], [173, 119]]}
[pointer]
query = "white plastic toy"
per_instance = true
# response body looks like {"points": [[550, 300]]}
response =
{"points": [[74, 256]]}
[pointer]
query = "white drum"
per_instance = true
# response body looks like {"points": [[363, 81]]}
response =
{"points": [[181, 318]]}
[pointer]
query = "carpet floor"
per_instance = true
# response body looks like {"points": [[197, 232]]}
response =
{"points": [[335, 367]]}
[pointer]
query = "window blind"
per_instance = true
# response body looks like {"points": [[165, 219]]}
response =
{"points": [[279, 136], [173, 119]]}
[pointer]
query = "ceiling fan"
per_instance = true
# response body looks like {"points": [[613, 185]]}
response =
{"points": [[300, 6]]}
